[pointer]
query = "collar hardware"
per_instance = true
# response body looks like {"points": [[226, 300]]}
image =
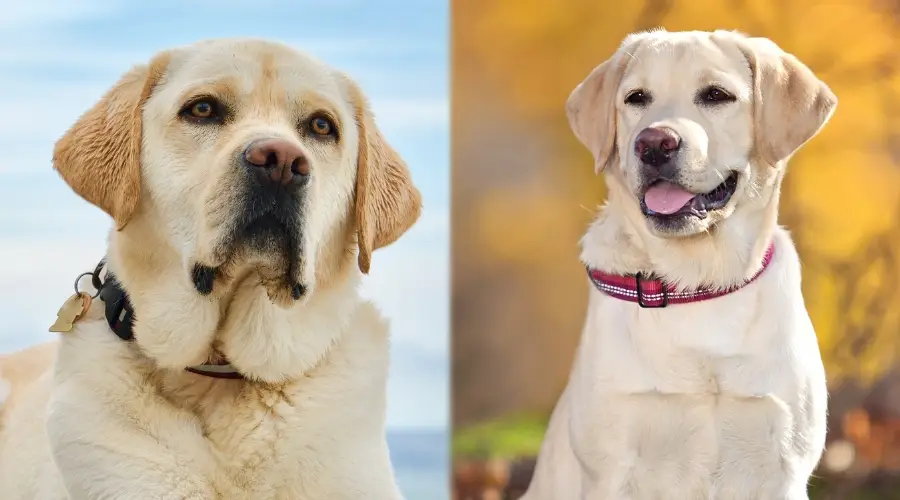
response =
{"points": [[639, 288]]}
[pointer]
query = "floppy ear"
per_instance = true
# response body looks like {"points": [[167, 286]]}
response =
{"points": [[99, 157], [387, 202], [591, 109], [791, 104]]}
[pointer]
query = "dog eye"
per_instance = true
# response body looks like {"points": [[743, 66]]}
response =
{"points": [[321, 126], [714, 95], [205, 110], [638, 97]]}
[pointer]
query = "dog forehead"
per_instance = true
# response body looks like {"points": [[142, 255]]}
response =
{"points": [[665, 60], [250, 66]]}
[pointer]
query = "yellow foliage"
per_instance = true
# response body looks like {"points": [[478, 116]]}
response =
{"points": [[859, 208], [841, 192], [524, 219]]}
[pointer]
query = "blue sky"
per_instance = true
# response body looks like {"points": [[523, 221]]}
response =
{"points": [[57, 57]]}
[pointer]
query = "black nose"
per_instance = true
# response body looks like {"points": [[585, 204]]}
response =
{"points": [[655, 146], [277, 162]]}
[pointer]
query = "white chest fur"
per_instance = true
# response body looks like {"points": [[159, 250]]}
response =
{"points": [[201, 439], [717, 399]]}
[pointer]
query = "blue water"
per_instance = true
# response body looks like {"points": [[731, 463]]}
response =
{"points": [[421, 463]]}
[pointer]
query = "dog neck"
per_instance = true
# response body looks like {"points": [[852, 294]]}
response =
{"points": [[619, 242], [120, 317], [177, 327]]}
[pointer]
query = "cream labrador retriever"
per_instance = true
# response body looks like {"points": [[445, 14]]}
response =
{"points": [[698, 375], [249, 187]]}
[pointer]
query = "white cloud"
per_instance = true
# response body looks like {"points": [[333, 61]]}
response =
{"points": [[37, 276], [52, 52], [269, 4], [42, 110], [404, 116], [418, 395], [410, 280], [59, 54], [25, 15]]}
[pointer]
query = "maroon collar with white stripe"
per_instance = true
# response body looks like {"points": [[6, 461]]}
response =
{"points": [[654, 293]]}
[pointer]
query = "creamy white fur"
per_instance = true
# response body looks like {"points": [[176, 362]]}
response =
{"points": [[720, 399], [124, 421]]}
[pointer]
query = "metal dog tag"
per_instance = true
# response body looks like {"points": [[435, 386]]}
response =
{"points": [[71, 311]]}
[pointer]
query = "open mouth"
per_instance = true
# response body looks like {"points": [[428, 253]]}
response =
{"points": [[667, 199]]}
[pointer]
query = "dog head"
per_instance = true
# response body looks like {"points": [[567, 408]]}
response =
{"points": [[696, 126], [243, 154], [244, 179]]}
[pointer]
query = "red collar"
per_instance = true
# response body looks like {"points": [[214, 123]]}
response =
{"points": [[654, 293]]}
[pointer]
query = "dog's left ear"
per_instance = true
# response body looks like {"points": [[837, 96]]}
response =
{"points": [[387, 202], [791, 104]]}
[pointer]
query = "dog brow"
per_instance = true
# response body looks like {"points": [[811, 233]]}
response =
{"points": [[219, 87]]}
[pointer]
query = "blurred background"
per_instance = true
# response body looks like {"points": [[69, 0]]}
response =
{"points": [[524, 192], [57, 57]]}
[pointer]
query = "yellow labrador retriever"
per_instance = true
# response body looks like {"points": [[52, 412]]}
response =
{"points": [[249, 187], [698, 375]]}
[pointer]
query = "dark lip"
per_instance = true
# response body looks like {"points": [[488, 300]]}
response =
{"points": [[266, 222], [702, 204], [270, 227]]}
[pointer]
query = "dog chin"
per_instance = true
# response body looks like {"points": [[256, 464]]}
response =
{"points": [[678, 226], [266, 250]]}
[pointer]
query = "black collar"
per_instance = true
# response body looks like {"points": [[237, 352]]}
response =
{"points": [[119, 313]]}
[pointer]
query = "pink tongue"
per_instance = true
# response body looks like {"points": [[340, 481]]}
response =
{"points": [[666, 198]]}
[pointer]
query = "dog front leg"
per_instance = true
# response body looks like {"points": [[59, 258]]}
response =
{"points": [[97, 471], [118, 458]]}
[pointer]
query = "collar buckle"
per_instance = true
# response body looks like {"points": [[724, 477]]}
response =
{"points": [[638, 279]]}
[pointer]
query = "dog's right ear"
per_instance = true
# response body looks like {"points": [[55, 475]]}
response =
{"points": [[791, 104], [591, 109], [99, 157]]}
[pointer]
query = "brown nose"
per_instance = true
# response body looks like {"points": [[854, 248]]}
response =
{"points": [[277, 162], [656, 145]]}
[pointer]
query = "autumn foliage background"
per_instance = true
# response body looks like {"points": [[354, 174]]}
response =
{"points": [[524, 192]]}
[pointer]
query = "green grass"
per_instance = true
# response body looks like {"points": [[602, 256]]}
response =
{"points": [[509, 437], [822, 489], [520, 436]]}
